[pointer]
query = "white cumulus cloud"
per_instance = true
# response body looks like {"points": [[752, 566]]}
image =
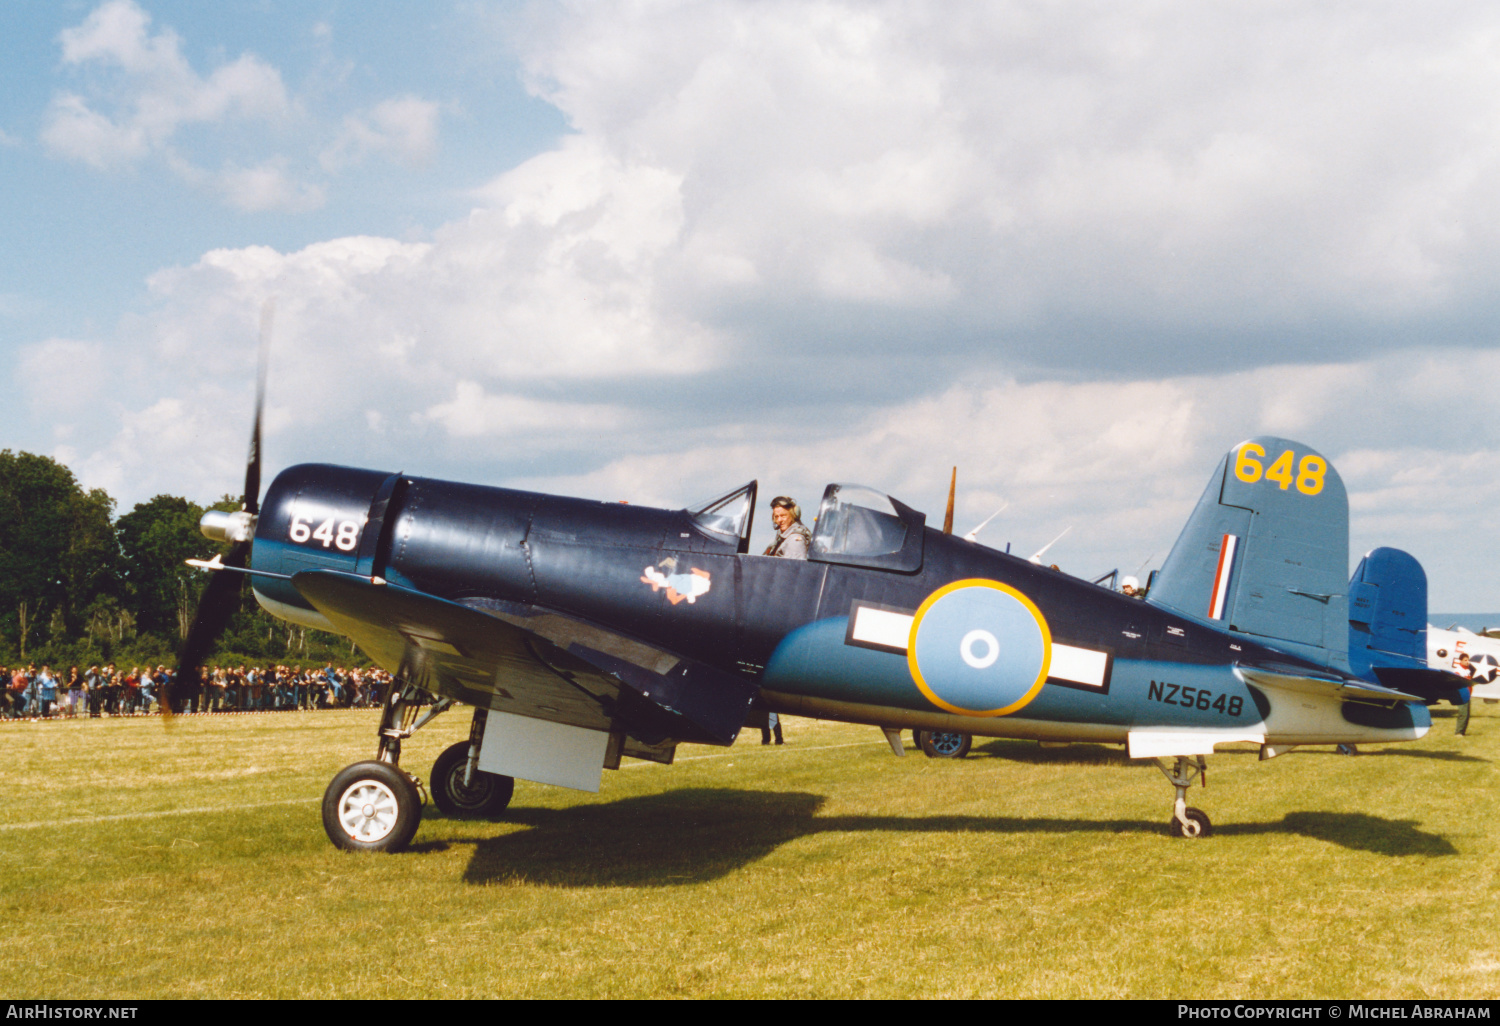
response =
{"points": [[403, 129], [1077, 249], [268, 186], [159, 92], [145, 92]]}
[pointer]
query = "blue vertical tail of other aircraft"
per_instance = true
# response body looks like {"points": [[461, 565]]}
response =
{"points": [[1265, 552], [1387, 612], [1388, 627]]}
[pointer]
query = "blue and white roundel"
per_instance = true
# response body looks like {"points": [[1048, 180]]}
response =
{"points": [[979, 648]]}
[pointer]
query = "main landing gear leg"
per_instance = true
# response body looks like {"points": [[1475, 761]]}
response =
{"points": [[1185, 821], [376, 805]]}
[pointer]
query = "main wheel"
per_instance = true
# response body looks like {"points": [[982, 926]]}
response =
{"points": [[371, 806], [1197, 824], [487, 794], [946, 744]]}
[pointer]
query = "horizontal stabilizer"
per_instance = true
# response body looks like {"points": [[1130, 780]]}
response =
{"points": [[1265, 552], [1292, 679], [1429, 683], [1158, 744]]}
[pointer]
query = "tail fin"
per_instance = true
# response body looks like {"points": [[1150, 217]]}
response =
{"points": [[1387, 611], [1388, 626], [1266, 551]]}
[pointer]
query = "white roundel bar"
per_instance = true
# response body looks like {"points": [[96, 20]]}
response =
{"points": [[979, 648]]}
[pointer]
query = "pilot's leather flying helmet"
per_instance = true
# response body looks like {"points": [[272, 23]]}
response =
{"points": [[786, 502]]}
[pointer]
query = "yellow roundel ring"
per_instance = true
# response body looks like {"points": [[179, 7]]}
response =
{"points": [[979, 648]]}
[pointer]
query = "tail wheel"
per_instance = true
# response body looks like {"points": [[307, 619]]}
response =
{"points": [[946, 744], [1197, 825], [486, 794], [371, 806]]}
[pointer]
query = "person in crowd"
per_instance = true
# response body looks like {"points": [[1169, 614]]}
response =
{"points": [[47, 691], [22, 685], [8, 707], [130, 693], [94, 683], [75, 692], [112, 687], [1465, 668], [146, 695]]}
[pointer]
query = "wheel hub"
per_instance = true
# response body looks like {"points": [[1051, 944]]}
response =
{"points": [[474, 794], [368, 810]]}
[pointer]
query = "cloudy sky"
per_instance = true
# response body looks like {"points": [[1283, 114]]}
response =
{"points": [[650, 250]]}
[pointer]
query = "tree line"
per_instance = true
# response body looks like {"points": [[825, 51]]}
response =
{"points": [[79, 585]]}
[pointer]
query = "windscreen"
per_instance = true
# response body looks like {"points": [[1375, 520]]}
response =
{"points": [[728, 516]]}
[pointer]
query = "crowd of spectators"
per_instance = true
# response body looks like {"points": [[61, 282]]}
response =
{"points": [[34, 693]]}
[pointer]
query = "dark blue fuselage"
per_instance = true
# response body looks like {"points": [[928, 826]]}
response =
{"points": [[656, 576]]}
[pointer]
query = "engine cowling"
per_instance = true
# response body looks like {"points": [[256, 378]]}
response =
{"points": [[317, 517]]}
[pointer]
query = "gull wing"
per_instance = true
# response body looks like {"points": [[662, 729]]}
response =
{"points": [[533, 662]]}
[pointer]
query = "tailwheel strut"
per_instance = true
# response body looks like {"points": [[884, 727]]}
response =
{"points": [[1186, 821]]}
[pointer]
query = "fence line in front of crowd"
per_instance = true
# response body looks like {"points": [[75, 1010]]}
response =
{"points": [[31, 694]]}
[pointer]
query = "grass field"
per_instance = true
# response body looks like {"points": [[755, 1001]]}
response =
{"points": [[140, 862]]}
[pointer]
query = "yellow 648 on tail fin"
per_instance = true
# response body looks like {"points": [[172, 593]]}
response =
{"points": [[1309, 472]]}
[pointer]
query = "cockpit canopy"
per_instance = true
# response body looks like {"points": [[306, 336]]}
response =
{"points": [[858, 526]]}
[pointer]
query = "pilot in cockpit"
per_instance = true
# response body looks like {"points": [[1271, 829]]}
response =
{"points": [[792, 535]]}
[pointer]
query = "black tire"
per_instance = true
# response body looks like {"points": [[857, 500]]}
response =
{"points": [[946, 744], [487, 795], [1198, 825], [371, 806]]}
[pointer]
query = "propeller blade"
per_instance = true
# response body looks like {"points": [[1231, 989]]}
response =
{"points": [[220, 600], [251, 500], [952, 491], [222, 596]]}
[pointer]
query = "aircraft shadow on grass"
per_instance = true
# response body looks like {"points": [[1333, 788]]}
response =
{"points": [[1423, 753], [1354, 830], [700, 834]]}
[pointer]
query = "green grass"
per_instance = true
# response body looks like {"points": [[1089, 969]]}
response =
{"points": [[141, 862]]}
